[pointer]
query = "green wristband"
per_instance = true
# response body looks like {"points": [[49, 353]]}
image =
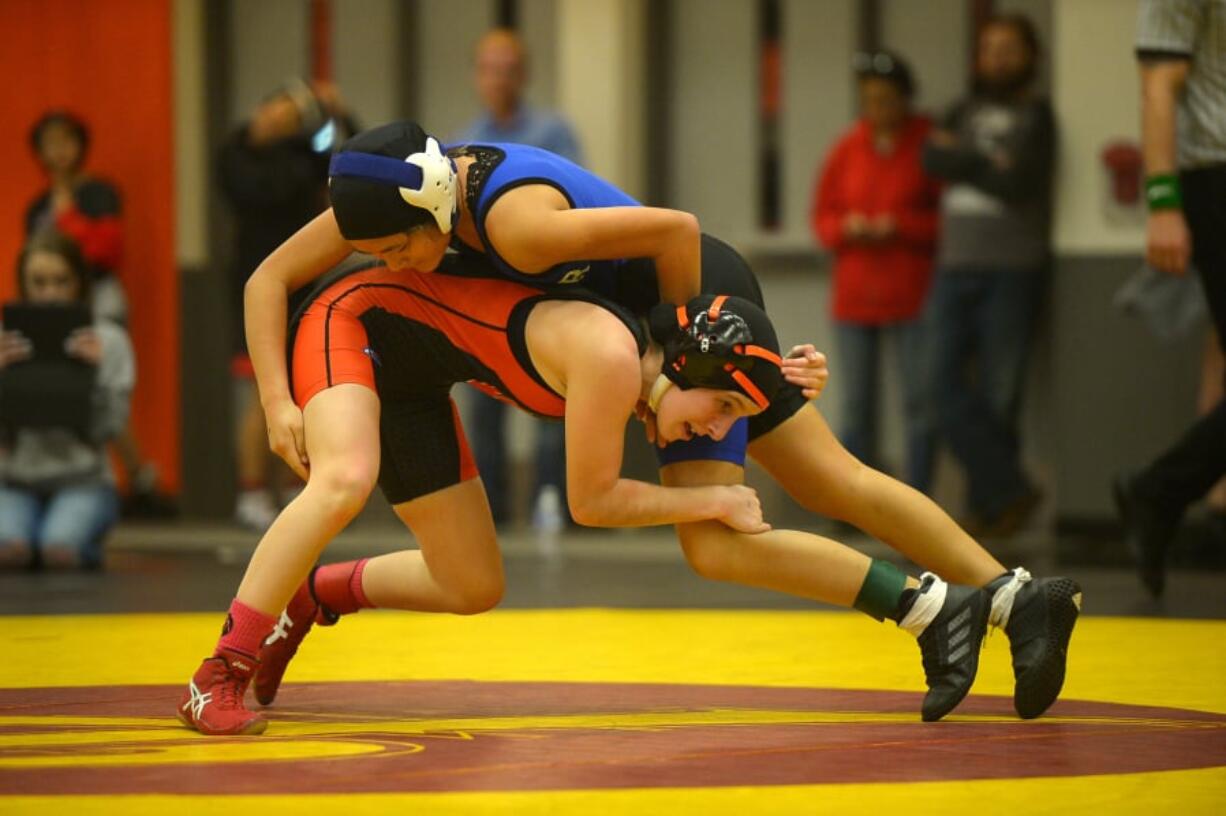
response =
{"points": [[1162, 192]]}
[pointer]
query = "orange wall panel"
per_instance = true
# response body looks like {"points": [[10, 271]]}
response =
{"points": [[109, 61]]}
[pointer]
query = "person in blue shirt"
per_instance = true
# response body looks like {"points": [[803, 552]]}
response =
{"points": [[501, 71], [524, 214], [501, 68]]}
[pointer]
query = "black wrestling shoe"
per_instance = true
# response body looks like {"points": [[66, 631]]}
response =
{"points": [[951, 621], [1148, 531], [1038, 616]]}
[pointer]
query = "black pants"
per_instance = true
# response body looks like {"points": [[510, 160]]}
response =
{"points": [[1188, 470]]}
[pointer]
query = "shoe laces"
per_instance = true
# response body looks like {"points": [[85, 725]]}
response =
{"points": [[231, 689], [927, 605], [1002, 599]]}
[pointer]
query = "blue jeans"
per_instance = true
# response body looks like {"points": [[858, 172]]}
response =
{"points": [[75, 519], [489, 443], [859, 348], [982, 324]]}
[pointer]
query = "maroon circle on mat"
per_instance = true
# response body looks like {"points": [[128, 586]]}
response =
{"points": [[462, 735]]}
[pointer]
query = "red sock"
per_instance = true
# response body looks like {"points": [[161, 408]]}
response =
{"points": [[245, 629], [338, 587]]}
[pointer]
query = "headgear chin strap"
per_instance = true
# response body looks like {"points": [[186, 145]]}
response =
{"points": [[425, 180], [658, 389]]}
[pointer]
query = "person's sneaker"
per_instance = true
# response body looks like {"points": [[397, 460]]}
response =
{"points": [[1148, 531], [1038, 616], [213, 702], [145, 499], [950, 622], [255, 510], [280, 647]]}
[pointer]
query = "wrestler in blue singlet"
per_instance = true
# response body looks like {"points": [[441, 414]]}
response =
{"points": [[628, 282], [377, 191], [501, 167]]}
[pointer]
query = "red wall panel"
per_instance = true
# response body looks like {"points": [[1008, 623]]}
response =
{"points": [[109, 61]]}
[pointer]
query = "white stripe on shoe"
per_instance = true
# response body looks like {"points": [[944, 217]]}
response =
{"points": [[281, 629], [197, 701]]}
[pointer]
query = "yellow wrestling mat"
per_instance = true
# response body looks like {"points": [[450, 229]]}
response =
{"points": [[591, 711]]}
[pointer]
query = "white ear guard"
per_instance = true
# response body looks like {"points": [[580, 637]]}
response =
{"points": [[438, 183], [426, 180]]}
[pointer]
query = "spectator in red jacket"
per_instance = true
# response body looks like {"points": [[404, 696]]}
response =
{"points": [[877, 212], [84, 208]]}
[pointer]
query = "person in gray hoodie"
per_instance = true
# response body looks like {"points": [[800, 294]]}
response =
{"points": [[995, 151], [57, 491]]}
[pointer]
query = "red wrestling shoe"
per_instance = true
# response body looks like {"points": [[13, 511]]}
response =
{"points": [[280, 647], [328, 592], [213, 702]]}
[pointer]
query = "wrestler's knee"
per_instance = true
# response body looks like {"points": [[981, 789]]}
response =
{"points": [[342, 488], [708, 548], [479, 596]]}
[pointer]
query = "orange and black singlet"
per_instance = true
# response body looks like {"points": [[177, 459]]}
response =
{"points": [[410, 336]]}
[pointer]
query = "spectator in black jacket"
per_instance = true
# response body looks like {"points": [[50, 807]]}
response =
{"points": [[274, 173]]}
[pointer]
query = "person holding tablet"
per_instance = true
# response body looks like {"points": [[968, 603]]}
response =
{"points": [[65, 390]]}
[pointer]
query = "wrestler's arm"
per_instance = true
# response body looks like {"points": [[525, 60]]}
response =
{"points": [[600, 395], [534, 229], [307, 254]]}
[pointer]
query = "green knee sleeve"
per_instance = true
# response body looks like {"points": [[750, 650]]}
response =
{"points": [[882, 590]]}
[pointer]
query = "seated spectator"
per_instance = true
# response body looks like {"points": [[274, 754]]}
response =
{"points": [[877, 213], [57, 492]]}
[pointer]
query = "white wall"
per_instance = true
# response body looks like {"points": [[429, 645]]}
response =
{"points": [[933, 36], [446, 32], [366, 39], [601, 54], [1096, 98], [270, 42], [714, 91], [818, 99], [539, 30]]}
